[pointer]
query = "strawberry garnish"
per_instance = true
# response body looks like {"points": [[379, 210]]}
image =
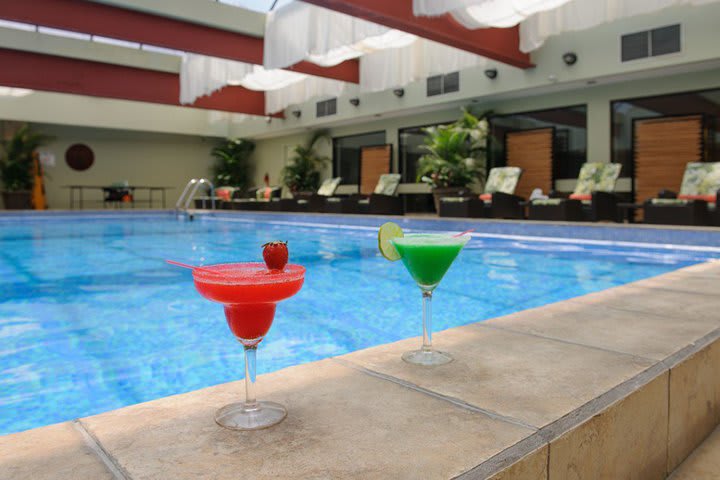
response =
{"points": [[275, 255]]}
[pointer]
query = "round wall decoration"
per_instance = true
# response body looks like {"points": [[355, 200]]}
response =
{"points": [[79, 157]]}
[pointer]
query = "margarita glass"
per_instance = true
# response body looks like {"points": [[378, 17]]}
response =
{"points": [[249, 292], [427, 257]]}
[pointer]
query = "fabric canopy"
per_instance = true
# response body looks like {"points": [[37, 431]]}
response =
{"points": [[389, 58], [540, 19]]}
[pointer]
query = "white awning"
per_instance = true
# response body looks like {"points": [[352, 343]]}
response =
{"points": [[389, 58], [540, 19]]}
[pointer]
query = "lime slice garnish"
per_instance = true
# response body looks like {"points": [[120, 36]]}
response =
{"points": [[387, 232]]}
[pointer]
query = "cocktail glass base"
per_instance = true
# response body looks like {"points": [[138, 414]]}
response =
{"points": [[239, 416], [427, 358]]}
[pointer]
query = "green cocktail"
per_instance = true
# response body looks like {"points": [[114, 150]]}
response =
{"points": [[427, 257]]}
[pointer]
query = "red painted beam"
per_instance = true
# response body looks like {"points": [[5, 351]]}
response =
{"points": [[82, 77], [109, 21], [501, 44]]}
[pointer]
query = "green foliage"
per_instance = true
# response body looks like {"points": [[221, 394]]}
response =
{"points": [[455, 153], [16, 158], [232, 166], [302, 174]]}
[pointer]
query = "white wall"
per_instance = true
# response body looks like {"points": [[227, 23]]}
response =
{"points": [[269, 152], [598, 51], [141, 158]]}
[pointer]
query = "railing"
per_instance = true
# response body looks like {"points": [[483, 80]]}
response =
{"points": [[189, 192]]}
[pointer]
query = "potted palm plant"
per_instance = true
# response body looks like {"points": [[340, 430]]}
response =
{"points": [[16, 167], [455, 156], [302, 175], [232, 163]]}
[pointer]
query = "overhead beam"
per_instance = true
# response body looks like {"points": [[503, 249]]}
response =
{"points": [[120, 23], [38, 71], [501, 44]]}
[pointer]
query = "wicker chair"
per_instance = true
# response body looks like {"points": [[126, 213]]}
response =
{"points": [[696, 204], [593, 199], [497, 201]]}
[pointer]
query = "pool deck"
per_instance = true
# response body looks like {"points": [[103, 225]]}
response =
{"points": [[621, 383]]}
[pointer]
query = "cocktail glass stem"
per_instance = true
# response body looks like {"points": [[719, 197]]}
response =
{"points": [[426, 356], [250, 357], [427, 319]]}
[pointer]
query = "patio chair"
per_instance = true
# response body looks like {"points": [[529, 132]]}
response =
{"points": [[383, 201], [255, 199], [223, 196], [117, 194], [498, 199], [593, 199], [309, 203], [696, 204]]}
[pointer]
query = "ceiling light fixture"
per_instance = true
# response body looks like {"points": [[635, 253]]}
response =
{"points": [[570, 58]]}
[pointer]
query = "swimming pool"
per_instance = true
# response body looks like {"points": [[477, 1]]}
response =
{"points": [[91, 319]]}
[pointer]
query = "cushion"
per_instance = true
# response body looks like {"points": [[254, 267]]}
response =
{"points": [[597, 177], [578, 196], [671, 202], [486, 197], [328, 187], [503, 179], [225, 193], [707, 198], [699, 178], [547, 201], [454, 199], [387, 184]]}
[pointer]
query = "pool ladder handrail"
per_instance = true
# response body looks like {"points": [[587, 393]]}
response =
{"points": [[192, 187]]}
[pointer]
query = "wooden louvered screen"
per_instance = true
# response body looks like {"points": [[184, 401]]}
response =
{"points": [[662, 149], [374, 161], [531, 150]]}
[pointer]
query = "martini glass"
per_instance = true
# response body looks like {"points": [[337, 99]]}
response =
{"points": [[427, 257], [249, 292]]}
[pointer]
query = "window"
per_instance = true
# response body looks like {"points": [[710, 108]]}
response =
{"points": [[706, 102], [346, 154], [570, 148], [326, 107], [439, 84], [411, 140], [650, 43]]}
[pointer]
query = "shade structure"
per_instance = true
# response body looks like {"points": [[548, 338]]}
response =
{"points": [[390, 58], [541, 19]]}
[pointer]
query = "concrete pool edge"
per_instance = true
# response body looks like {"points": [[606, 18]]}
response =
{"points": [[644, 380]]}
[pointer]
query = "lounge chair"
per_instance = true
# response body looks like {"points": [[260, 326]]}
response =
{"points": [[311, 203], [255, 199], [117, 193], [383, 201], [592, 200], [697, 202], [498, 199]]}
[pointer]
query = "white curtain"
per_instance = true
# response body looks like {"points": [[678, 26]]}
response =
{"points": [[396, 67], [300, 92], [584, 14], [201, 75], [300, 31], [486, 13], [540, 19]]}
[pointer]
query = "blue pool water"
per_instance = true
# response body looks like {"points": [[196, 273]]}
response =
{"points": [[91, 319]]}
